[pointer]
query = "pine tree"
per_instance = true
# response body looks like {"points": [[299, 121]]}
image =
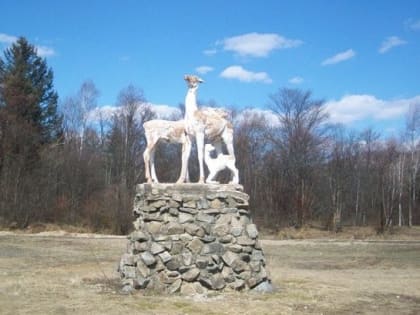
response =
{"points": [[27, 93]]}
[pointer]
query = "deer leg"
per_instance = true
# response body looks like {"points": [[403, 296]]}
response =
{"points": [[200, 148], [152, 159], [146, 158], [186, 150]]}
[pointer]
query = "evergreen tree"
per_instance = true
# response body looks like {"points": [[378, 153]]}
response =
{"points": [[27, 93]]}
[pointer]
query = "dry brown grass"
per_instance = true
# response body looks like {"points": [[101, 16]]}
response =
{"points": [[61, 274]]}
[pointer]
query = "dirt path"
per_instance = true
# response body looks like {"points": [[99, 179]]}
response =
{"points": [[62, 273]]}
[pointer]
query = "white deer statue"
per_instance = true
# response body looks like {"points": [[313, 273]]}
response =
{"points": [[204, 123], [168, 131]]}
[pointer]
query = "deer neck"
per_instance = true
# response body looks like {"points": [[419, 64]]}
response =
{"points": [[190, 103]]}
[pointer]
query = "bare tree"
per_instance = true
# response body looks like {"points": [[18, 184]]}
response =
{"points": [[299, 139], [413, 123]]}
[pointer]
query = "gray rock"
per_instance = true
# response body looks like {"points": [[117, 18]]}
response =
{"points": [[217, 203], [234, 248], [228, 274], [185, 237], [221, 230], [264, 287], [142, 269], [148, 258], [141, 282], [202, 203], [174, 263], [188, 210], [154, 227], [217, 282], [252, 231], [175, 287], [257, 255], [208, 238], [245, 241], [202, 262], [192, 288], [156, 248], [194, 229], [152, 217], [195, 246], [129, 272], [213, 248], [212, 211], [191, 274], [141, 247], [139, 236], [165, 256], [158, 204], [202, 217], [185, 217], [127, 259], [224, 219], [239, 266], [229, 257], [177, 248], [189, 204], [187, 257], [238, 284], [226, 239], [175, 228]]}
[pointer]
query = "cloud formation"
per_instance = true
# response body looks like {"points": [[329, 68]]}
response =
{"points": [[258, 45], [243, 75], [390, 42], [352, 108], [204, 69], [340, 57], [7, 39], [296, 80]]}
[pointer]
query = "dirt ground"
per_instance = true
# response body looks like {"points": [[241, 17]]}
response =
{"points": [[58, 273]]}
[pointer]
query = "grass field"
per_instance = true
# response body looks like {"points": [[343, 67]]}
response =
{"points": [[59, 274]]}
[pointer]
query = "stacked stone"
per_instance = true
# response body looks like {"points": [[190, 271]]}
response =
{"points": [[193, 238]]}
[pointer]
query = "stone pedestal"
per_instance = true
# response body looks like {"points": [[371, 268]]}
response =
{"points": [[191, 238]]}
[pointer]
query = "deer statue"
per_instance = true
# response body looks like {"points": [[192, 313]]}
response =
{"points": [[169, 131], [204, 123], [220, 162]]}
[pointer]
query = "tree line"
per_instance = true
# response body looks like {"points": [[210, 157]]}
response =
{"points": [[58, 164]]}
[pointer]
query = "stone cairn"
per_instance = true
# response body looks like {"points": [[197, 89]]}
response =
{"points": [[191, 238]]}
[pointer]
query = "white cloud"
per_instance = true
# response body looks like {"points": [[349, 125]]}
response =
{"points": [[352, 108], [258, 45], [7, 39], [44, 51], [270, 118], [391, 42], [296, 80], [340, 57], [413, 25], [203, 69], [241, 74], [106, 112], [210, 52]]}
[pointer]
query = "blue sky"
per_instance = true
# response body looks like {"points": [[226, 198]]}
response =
{"points": [[362, 57]]}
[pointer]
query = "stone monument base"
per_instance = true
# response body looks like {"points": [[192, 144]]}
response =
{"points": [[191, 238]]}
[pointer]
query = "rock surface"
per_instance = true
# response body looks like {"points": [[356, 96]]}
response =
{"points": [[190, 238]]}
